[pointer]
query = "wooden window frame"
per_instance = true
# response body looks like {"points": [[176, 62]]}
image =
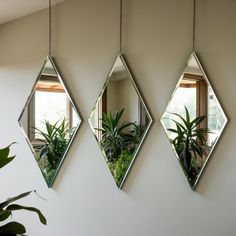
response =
{"points": [[201, 95], [31, 107]]}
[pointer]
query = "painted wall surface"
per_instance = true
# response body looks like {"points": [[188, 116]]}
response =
{"points": [[122, 95], [112, 97], [157, 41]]}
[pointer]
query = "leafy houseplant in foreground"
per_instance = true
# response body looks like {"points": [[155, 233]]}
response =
{"points": [[7, 207], [190, 144], [119, 142]]}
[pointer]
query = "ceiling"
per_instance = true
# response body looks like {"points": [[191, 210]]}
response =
{"points": [[13, 9]]}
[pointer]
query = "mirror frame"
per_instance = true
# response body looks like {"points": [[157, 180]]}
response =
{"points": [[49, 58], [194, 55], [121, 57]]}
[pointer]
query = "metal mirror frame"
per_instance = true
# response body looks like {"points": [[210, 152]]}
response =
{"points": [[194, 55], [49, 58], [121, 57]]}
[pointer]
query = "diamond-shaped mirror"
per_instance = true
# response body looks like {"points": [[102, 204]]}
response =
{"points": [[193, 120], [120, 120], [49, 120]]}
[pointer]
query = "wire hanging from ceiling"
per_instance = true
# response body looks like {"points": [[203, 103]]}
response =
{"points": [[194, 23], [50, 28], [121, 24]]}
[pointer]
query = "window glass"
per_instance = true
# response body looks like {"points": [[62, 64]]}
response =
{"points": [[50, 106]]}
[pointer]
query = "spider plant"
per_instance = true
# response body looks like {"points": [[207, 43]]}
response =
{"points": [[55, 140], [115, 137], [7, 207], [190, 143], [119, 142], [137, 133]]}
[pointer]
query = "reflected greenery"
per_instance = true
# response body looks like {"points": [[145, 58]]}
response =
{"points": [[120, 120], [119, 142], [49, 120], [193, 120], [190, 144], [54, 141]]}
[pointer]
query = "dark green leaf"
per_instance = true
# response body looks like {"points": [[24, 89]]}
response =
{"points": [[12, 228], [187, 115], [4, 156], [15, 207], [180, 125], [10, 200], [5, 161], [4, 152], [4, 214], [197, 121], [173, 130]]}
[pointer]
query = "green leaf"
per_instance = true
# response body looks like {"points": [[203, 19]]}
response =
{"points": [[15, 207], [180, 125], [12, 228], [4, 156], [173, 130], [181, 117], [5, 161], [197, 121], [187, 115], [10, 200], [4, 214], [4, 152]]}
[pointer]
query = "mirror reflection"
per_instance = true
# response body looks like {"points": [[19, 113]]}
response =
{"points": [[120, 121], [49, 120], [193, 120]]}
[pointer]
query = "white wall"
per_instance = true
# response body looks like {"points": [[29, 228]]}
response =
{"points": [[156, 199], [128, 100], [112, 97], [121, 94]]}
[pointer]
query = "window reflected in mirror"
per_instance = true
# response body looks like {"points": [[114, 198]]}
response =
{"points": [[193, 120], [120, 121], [50, 121]]}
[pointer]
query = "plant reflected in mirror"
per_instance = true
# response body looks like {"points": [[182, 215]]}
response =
{"points": [[49, 120], [193, 120], [120, 121], [190, 144]]}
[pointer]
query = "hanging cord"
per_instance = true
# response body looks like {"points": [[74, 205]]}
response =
{"points": [[50, 28], [194, 23], [121, 24]]}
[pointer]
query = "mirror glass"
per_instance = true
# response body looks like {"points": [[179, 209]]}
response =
{"points": [[120, 120], [49, 121], [193, 120]]}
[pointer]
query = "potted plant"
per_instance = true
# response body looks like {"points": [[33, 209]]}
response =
{"points": [[8, 207]]}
